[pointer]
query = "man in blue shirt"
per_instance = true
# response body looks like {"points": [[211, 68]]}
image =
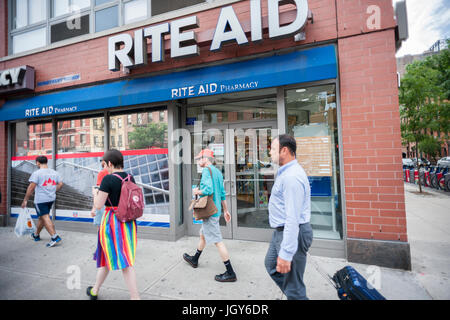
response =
{"points": [[210, 231], [289, 215]]}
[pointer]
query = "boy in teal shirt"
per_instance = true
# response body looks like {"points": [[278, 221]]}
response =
{"points": [[210, 230]]}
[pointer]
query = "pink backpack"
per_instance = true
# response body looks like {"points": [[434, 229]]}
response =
{"points": [[131, 203]]}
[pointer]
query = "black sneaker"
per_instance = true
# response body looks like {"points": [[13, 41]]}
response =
{"points": [[190, 259], [89, 293], [35, 237], [226, 277]]}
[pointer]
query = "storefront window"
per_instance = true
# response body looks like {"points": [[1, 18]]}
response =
{"points": [[135, 10], [235, 111], [249, 176], [32, 20], [29, 141], [312, 120], [61, 7], [29, 40], [62, 30], [159, 7], [27, 12], [143, 143], [79, 150], [107, 18], [100, 2]]}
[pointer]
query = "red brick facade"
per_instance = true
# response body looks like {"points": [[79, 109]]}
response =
{"points": [[373, 188], [371, 137]]}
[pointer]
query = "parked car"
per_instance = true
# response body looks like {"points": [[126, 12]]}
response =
{"points": [[408, 162], [422, 161], [444, 162]]}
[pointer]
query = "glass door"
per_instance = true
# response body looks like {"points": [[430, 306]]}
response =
{"points": [[252, 178], [228, 124], [214, 138]]}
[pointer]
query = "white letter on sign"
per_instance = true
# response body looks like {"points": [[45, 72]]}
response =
{"points": [[228, 17], [177, 37], [255, 13], [117, 55], [157, 34], [275, 31]]}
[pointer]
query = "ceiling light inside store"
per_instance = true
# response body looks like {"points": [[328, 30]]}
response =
{"points": [[300, 90], [304, 100]]}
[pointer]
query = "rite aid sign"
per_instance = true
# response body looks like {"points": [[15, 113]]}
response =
{"points": [[183, 41], [17, 79]]}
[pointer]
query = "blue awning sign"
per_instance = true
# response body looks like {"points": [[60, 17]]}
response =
{"points": [[281, 69]]}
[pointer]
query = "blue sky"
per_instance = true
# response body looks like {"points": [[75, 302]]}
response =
{"points": [[428, 21]]}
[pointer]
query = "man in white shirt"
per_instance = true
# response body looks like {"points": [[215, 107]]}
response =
{"points": [[44, 182]]}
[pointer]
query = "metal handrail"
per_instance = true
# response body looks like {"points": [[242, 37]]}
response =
{"points": [[97, 171]]}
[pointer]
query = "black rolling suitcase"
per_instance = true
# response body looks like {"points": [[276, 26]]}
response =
{"points": [[349, 284]]}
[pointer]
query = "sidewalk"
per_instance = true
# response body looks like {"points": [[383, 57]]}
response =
{"points": [[29, 270], [428, 223]]}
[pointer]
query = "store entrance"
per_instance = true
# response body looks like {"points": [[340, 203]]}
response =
{"points": [[241, 150], [252, 178]]}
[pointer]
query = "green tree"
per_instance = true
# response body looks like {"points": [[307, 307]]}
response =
{"points": [[430, 145], [424, 102], [440, 112], [151, 135]]}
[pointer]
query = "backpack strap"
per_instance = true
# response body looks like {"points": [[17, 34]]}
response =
{"points": [[210, 172], [122, 179], [212, 180]]}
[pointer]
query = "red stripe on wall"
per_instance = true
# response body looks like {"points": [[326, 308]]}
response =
{"points": [[27, 158]]}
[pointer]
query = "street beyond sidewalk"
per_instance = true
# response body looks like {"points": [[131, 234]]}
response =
{"points": [[29, 270]]}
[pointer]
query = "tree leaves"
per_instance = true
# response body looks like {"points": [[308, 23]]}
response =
{"points": [[425, 109], [150, 135]]}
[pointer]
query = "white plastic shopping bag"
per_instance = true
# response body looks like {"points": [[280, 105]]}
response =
{"points": [[24, 224]]}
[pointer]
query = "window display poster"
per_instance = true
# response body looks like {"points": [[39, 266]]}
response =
{"points": [[314, 155]]}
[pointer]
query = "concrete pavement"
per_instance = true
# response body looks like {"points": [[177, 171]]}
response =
{"points": [[29, 270], [428, 224]]}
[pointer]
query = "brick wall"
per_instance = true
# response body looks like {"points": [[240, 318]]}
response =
{"points": [[90, 58], [357, 16], [3, 165], [371, 137], [368, 92]]}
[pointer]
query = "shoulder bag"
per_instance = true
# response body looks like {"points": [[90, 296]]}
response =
{"points": [[204, 207]]}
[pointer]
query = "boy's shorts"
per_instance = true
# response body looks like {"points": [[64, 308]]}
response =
{"points": [[211, 230], [43, 208]]}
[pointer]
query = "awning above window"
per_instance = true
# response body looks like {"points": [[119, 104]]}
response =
{"points": [[283, 69]]}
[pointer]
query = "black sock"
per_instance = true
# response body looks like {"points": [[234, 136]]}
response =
{"points": [[229, 267], [197, 255]]}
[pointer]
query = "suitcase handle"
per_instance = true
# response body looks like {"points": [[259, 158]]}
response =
{"points": [[322, 272]]}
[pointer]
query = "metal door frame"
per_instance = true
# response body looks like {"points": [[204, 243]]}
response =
{"points": [[194, 229], [228, 231], [246, 233]]}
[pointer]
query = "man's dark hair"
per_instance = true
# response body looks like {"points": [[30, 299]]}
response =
{"points": [[115, 157], [42, 159], [288, 141]]}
